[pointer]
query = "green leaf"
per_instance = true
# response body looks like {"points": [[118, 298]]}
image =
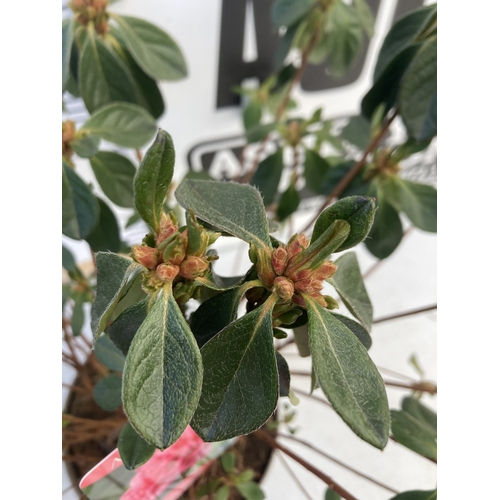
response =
{"points": [[288, 12], [345, 39], [416, 495], [115, 174], [315, 169], [132, 293], [162, 375], [68, 260], [404, 33], [215, 314], [134, 451], [289, 202], [153, 179], [122, 331], [77, 316], [348, 377], [80, 209], [113, 273], [418, 94], [259, 132], [154, 51], [86, 146], [357, 132], [268, 175], [104, 78], [365, 16], [107, 392], [235, 208], [358, 211], [360, 331], [241, 394], [419, 202], [283, 375], [108, 354], [127, 125], [332, 495], [228, 461], [251, 491], [414, 434], [301, 338], [222, 493], [105, 235], [348, 281], [285, 44], [387, 231], [67, 41], [252, 115], [421, 412]]}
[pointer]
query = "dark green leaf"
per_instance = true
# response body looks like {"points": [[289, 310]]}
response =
{"points": [[288, 12], [414, 434], [235, 208], [153, 179], [387, 231], [153, 50], [252, 115], [301, 338], [77, 316], [289, 202], [113, 273], [365, 16], [283, 374], [315, 169], [124, 328], [267, 177], [250, 491], [348, 376], [68, 260], [108, 354], [124, 124], [285, 44], [360, 331], [332, 495], [162, 375], [421, 412], [419, 202], [337, 173], [115, 174], [357, 132], [404, 32], [228, 461], [67, 41], [241, 394], [259, 132], [418, 94], [86, 146], [80, 208], [416, 495], [348, 281], [131, 294], [72, 85], [104, 78], [108, 392], [134, 451], [105, 235], [345, 39], [358, 211]]}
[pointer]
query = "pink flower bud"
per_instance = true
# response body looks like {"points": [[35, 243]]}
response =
{"points": [[283, 287], [309, 286], [193, 267], [167, 228], [299, 300], [264, 267], [302, 274], [326, 270], [167, 272], [279, 260], [145, 256], [296, 244]]}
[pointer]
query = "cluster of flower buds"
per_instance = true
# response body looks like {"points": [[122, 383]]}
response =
{"points": [[68, 134], [175, 257], [285, 272], [94, 11]]}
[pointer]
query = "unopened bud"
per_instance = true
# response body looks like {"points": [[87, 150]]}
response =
{"points": [[265, 268], [279, 260], [167, 228], [318, 298], [296, 244], [252, 253], [301, 274], [174, 249], [167, 272], [325, 271], [145, 256], [283, 287], [309, 285], [289, 317], [279, 334], [331, 303], [193, 267], [299, 300]]}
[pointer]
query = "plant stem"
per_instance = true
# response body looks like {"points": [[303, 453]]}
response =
{"points": [[321, 475], [406, 313], [423, 386], [349, 176], [338, 462]]}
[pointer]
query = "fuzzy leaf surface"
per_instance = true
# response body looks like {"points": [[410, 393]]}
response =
{"points": [[360, 331], [123, 329], [348, 377], [162, 375]]}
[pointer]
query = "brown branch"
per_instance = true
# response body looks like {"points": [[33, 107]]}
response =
{"points": [[338, 462], [294, 476], [406, 313], [349, 176], [321, 475], [423, 386]]}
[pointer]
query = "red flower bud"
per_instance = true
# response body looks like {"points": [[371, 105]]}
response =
{"points": [[302, 274], [145, 256], [167, 272], [279, 259], [309, 286], [296, 244], [326, 270], [283, 287], [167, 228], [193, 267]]}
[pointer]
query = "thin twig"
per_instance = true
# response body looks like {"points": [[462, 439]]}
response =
{"points": [[311, 468], [337, 461], [406, 313], [423, 386]]}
